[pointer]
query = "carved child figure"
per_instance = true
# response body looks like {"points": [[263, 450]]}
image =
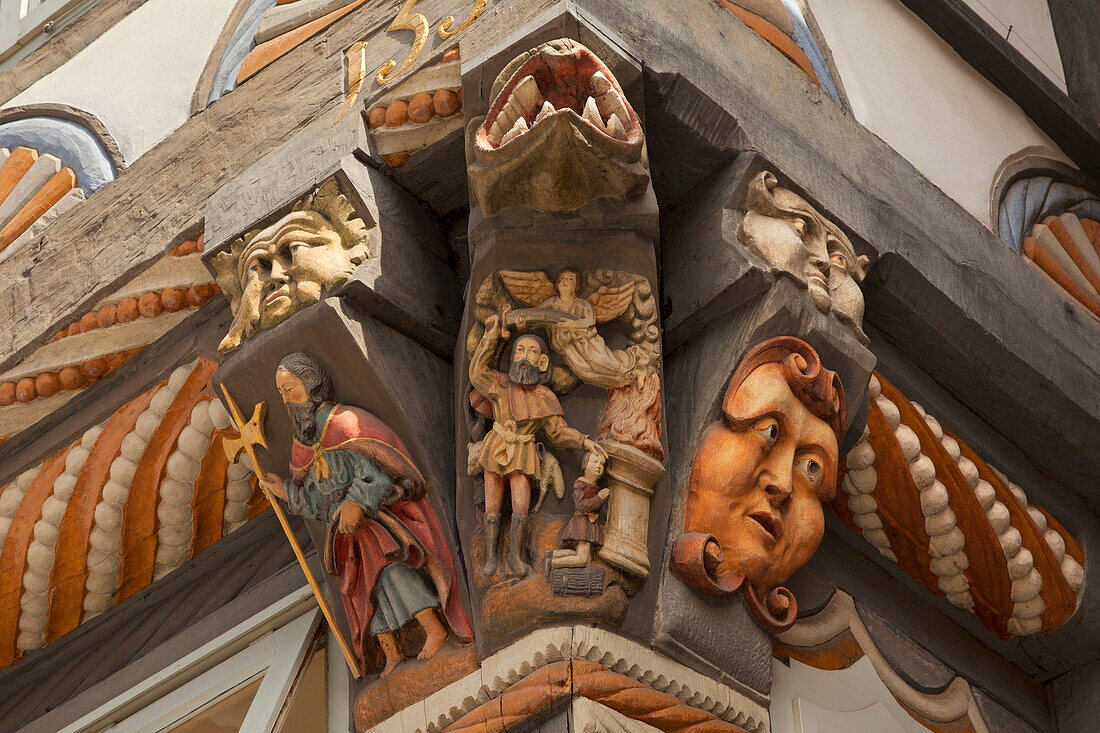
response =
{"points": [[584, 529]]}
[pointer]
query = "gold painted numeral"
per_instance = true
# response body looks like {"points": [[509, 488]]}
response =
{"points": [[405, 21], [357, 72], [445, 31]]}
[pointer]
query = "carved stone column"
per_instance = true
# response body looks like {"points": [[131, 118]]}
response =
{"points": [[631, 476]]}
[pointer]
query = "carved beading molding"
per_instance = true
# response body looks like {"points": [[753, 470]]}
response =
{"points": [[509, 666], [977, 540], [830, 627]]}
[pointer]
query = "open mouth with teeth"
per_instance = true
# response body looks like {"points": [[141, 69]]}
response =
{"points": [[550, 84], [771, 524], [559, 134]]}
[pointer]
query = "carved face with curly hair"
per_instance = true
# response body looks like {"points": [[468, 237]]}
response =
{"points": [[762, 471], [272, 273]]}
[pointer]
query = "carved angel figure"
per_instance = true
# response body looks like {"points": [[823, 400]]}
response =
{"points": [[570, 320]]}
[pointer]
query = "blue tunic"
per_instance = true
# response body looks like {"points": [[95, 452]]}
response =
{"points": [[401, 591]]}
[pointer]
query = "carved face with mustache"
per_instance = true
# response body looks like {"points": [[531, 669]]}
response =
{"points": [[286, 267]]}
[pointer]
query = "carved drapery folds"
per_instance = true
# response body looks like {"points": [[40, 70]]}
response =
{"points": [[759, 477], [375, 443], [927, 501], [559, 133], [271, 273]]}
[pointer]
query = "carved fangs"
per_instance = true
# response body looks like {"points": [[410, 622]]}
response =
{"points": [[557, 115], [595, 99]]}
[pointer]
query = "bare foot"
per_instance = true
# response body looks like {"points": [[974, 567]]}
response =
{"points": [[432, 643], [390, 664]]}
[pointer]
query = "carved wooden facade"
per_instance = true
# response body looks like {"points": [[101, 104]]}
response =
{"points": [[594, 369]]}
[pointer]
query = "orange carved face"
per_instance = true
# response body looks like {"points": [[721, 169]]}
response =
{"points": [[758, 479]]}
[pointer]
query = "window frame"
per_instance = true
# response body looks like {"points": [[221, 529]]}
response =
{"points": [[275, 642], [16, 31]]}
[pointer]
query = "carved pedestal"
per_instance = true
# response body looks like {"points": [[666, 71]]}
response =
{"points": [[631, 475]]}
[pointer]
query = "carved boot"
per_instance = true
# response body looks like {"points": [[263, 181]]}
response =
{"points": [[517, 536], [492, 554]]}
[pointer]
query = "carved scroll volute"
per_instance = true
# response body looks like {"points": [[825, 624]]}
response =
{"points": [[753, 513]]}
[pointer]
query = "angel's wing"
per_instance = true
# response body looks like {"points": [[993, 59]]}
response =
{"points": [[610, 303], [530, 288]]}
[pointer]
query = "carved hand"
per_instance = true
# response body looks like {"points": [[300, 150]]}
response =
{"points": [[492, 327], [604, 493], [593, 447], [274, 483], [349, 515]]}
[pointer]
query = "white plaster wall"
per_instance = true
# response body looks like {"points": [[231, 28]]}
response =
{"points": [[808, 700], [138, 77], [1032, 32], [909, 87]]}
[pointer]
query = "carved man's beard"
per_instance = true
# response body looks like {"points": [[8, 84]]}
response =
{"points": [[304, 417], [525, 374]]}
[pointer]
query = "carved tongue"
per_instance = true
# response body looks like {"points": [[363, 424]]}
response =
{"points": [[592, 114]]}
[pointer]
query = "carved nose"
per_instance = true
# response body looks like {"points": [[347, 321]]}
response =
{"points": [[778, 491]]}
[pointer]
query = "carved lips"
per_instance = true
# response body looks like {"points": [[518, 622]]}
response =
{"points": [[771, 524], [558, 134]]}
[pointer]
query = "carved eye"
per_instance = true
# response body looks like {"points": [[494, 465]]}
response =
{"points": [[799, 226], [768, 430], [811, 468], [839, 260]]}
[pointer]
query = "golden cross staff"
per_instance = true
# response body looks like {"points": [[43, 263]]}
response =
{"points": [[252, 434]]}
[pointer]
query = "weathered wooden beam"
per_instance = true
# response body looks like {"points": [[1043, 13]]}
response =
{"points": [[954, 297], [245, 573], [134, 218], [1076, 28], [64, 44]]}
